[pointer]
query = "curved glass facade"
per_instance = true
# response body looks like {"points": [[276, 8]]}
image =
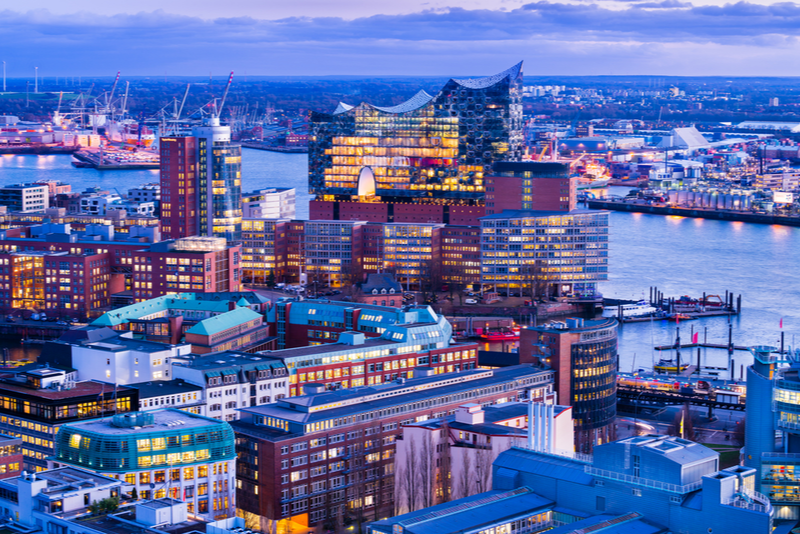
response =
{"points": [[424, 150], [121, 450], [594, 384]]}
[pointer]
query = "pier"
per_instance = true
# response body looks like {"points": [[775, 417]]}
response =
{"points": [[109, 161], [700, 213]]}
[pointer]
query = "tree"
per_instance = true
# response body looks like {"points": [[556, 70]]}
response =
{"points": [[409, 477], [483, 468], [426, 471], [104, 506], [271, 279], [739, 433], [534, 279], [445, 468], [682, 424], [465, 480], [134, 495]]}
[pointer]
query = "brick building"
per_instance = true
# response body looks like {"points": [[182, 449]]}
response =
{"points": [[306, 460]]}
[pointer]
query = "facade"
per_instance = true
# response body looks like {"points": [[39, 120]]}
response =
{"points": [[584, 356], [453, 455], [145, 193], [530, 185], [460, 253], [25, 197], [179, 210], [201, 184], [36, 403], [176, 393], [332, 252], [233, 380], [310, 459], [76, 274], [264, 247], [568, 256], [11, 457], [428, 151], [107, 356], [271, 203], [671, 482], [203, 320], [99, 204], [219, 182], [162, 453], [410, 252], [773, 408]]}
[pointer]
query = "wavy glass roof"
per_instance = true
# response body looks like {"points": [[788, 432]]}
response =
{"points": [[417, 101], [488, 81]]}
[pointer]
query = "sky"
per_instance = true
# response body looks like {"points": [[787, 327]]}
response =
{"points": [[412, 37]]}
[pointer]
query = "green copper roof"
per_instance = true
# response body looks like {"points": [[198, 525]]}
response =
{"points": [[222, 322], [160, 305]]}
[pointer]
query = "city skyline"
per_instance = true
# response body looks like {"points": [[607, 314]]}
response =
{"points": [[421, 38]]}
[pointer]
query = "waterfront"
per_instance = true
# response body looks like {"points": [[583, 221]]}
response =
{"points": [[260, 169], [677, 255]]}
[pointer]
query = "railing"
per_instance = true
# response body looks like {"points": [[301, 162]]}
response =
{"points": [[644, 482], [790, 425], [752, 500], [563, 455], [792, 455]]}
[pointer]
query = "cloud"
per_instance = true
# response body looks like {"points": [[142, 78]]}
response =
{"points": [[418, 43]]}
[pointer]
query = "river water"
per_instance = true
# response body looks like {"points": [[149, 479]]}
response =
{"points": [[680, 256]]}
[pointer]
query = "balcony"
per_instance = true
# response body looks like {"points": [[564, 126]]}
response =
{"points": [[751, 500]]}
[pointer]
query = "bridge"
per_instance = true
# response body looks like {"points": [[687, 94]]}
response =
{"points": [[642, 396]]}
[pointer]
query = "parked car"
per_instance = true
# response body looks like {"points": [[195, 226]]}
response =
{"points": [[471, 301]]}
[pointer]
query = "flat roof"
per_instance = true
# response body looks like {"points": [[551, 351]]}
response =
{"points": [[159, 388], [65, 479], [518, 214], [161, 418], [79, 389]]}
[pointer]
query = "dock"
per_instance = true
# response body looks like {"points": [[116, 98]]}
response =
{"points": [[702, 345], [110, 162], [699, 213]]}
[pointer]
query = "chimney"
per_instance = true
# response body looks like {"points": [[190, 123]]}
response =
{"points": [[231, 305], [175, 329]]}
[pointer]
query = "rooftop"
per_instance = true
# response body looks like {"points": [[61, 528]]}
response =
{"points": [[216, 361], [78, 389], [469, 514], [519, 214], [347, 402], [224, 321], [65, 480], [164, 387], [163, 420]]}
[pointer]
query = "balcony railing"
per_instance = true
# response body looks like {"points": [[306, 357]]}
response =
{"points": [[751, 500], [644, 482]]}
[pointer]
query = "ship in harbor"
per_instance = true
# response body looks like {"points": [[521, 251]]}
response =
{"points": [[130, 132]]}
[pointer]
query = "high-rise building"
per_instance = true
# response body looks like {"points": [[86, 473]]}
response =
{"points": [[584, 356], [201, 190], [425, 157]]}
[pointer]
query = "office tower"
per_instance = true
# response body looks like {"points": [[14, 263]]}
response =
{"points": [[428, 155], [584, 356], [178, 187], [201, 184]]}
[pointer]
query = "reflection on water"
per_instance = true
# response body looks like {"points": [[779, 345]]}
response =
{"points": [[14, 350]]}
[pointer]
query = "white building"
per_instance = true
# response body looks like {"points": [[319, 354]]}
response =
{"points": [[145, 193], [99, 204], [120, 359], [25, 197], [233, 380], [460, 448], [272, 203], [176, 393]]}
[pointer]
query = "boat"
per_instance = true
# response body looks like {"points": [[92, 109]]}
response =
{"points": [[640, 309], [670, 366], [500, 335], [680, 317], [584, 183], [130, 132]]}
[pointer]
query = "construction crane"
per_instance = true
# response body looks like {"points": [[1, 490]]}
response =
{"points": [[224, 96], [125, 99], [183, 102], [110, 96]]}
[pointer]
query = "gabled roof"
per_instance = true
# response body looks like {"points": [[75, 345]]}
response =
{"points": [[224, 321]]}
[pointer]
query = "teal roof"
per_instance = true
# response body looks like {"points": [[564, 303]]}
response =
{"points": [[224, 321], [228, 371], [176, 301], [213, 373], [243, 302]]}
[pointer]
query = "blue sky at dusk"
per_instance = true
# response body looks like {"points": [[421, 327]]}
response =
{"points": [[359, 37]]}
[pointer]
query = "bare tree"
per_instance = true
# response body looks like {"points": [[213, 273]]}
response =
{"points": [[465, 482], [411, 475], [483, 469], [445, 467], [426, 471], [351, 277], [534, 279]]}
